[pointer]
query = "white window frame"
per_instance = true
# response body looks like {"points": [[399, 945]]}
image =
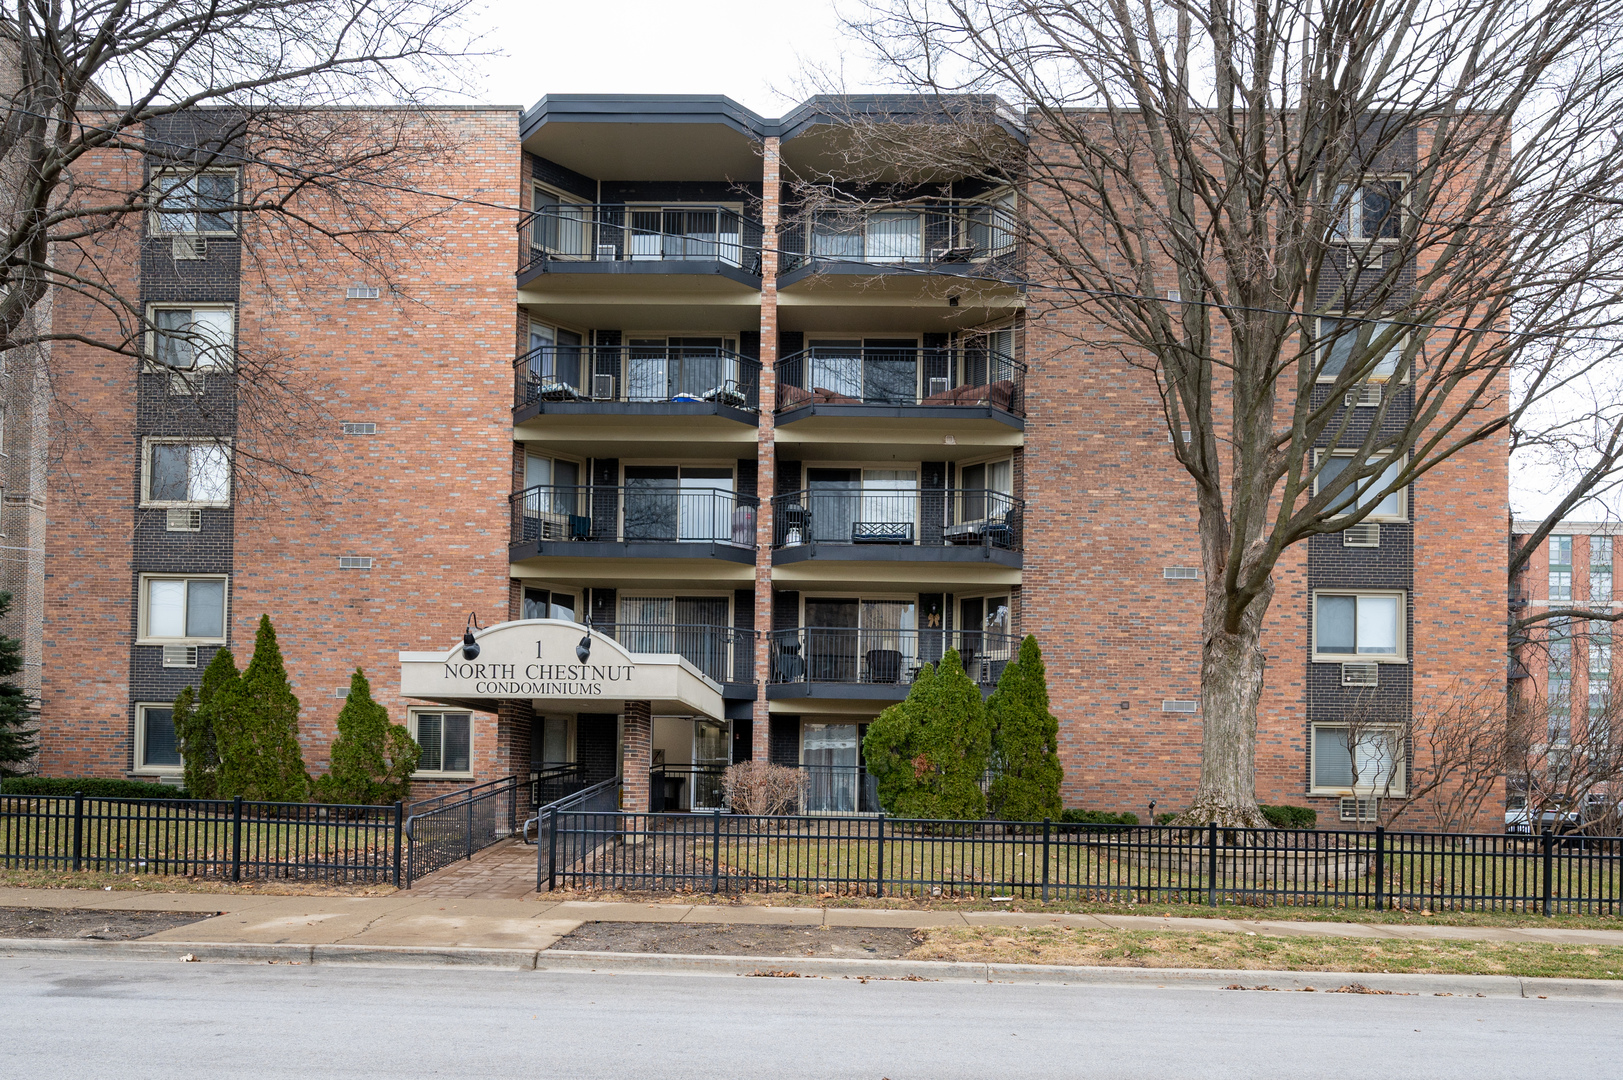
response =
{"points": [[412, 716], [141, 742], [1402, 654], [159, 219], [1399, 786], [1352, 213], [142, 588], [1402, 493], [1323, 342], [223, 445], [210, 360]]}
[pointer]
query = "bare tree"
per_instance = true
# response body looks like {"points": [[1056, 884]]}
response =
{"points": [[1270, 206]]}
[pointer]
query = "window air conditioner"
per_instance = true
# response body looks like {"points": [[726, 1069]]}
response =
{"points": [[1359, 809], [602, 387], [1368, 394], [184, 519], [180, 656], [1366, 535], [605, 252], [1360, 674], [940, 386], [188, 246]]}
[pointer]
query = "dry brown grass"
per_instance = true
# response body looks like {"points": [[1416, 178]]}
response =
{"points": [[161, 883]]}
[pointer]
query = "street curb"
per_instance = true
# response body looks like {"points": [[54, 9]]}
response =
{"points": [[581, 962]]}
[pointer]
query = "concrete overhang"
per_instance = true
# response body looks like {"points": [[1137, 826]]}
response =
{"points": [[647, 136]]}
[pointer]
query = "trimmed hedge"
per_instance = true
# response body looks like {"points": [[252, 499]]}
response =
{"points": [[1290, 817], [93, 786], [1097, 817]]}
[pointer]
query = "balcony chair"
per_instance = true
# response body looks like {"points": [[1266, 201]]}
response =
{"points": [[787, 664], [883, 666]]}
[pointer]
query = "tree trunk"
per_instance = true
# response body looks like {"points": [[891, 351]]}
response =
{"points": [[1231, 680]]}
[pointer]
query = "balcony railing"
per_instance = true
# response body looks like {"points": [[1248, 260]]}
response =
{"points": [[614, 232], [958, 517], [724, 653], [917, 233], [630, 373], [653, 513], [832, 375], [864, 656]]}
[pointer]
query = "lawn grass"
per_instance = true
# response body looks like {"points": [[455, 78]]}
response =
{"points": [[175, 883], [1174, 949]]}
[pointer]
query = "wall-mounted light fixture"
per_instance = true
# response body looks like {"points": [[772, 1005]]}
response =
{"points": [[584, 649], [470, 647]]}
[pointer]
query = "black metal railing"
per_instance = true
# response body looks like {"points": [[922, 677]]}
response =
{"points": [[828, 789], [550, 783], [231, 839], [637, 374], [958, 517], [454, 826], [614, 232], [861, 655], [723, 653], [655, 512], [686, 787], [834, 375], [557, 851], [878, 856], [941, 232]]}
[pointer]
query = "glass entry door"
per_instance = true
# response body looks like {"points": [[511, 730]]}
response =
{"points": [[830, 759], [712, 753]]}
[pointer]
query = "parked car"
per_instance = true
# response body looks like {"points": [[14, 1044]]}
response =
{"points": [[1558, 815]]}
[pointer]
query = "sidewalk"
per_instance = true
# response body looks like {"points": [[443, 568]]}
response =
{"points": [[412, 919]]}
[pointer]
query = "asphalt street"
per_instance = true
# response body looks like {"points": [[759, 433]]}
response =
{"points": [[69, 1018]]}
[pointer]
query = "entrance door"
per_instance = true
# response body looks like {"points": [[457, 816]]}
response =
{"points": [[712, 753], [830, 759]]}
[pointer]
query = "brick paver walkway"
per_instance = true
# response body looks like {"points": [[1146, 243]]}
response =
{"points": [[505, 870]]}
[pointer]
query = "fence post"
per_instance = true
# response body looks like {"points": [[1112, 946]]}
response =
{"points": [[552, 849], [1380, 868], [78, 829], [1211, 863], [399, 828], [470, 828], [236, 838], [879, 859], [1549, 869], [715, 853], [1047, 826]]}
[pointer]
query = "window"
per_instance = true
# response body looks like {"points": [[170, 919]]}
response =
{"points": [[1600, 648], [985, 489], [192, 338], [1560, 568], [1558, 696], [1558, 643], [182, 609], [554, 360], [547, 604], [1600, 568], [200, 203], [156, 748], [446, 739], [186, 473], [1345, 339], [1366, 625], [1367, 760], [560, 226], [1391, 508], [1369, 210]]}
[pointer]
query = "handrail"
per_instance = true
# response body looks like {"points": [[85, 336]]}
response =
{"points": [[922, 517], [946, 376], [723, 653], [871, 656], [637, 373], [428, 804], [471, 821], [617, 232], [640, 514], [927, 231]]}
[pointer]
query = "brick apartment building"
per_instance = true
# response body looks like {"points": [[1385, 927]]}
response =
{"points": [[804, 451]]}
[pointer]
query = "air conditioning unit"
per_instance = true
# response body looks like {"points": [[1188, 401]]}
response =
{"points": [[172, 781], [184, 519], [1366, 395], [1366, 535], [603, 387], [606, 252], [939, 386], [1359, 809], [1360, 674], [180, 656], [185, 383], [188, 246]]}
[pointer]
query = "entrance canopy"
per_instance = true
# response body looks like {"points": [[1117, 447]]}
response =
{"points": [[559, 666]]}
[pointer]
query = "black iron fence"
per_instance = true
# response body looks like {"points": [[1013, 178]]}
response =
{"points": [[553, 782], [878, 856], [828, 789], [852, 375], [656, 512], [594, 806], [919, 517], [232, 839], [614, 232], [870, 655], [951, 231], [687, 787], [637, 373], [451, 827]]}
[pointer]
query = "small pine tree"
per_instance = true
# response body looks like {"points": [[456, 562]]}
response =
{"points": [[372, 759], [257, 729], [16, 707], [196, 713], [1025, 741], [928, 752]]}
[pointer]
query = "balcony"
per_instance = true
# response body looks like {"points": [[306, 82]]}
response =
{"points": [[666, 380], [655, 519], [876, 663], [950, 237], [585, 238], [869, 525], [725, 654], [937, 384]]}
